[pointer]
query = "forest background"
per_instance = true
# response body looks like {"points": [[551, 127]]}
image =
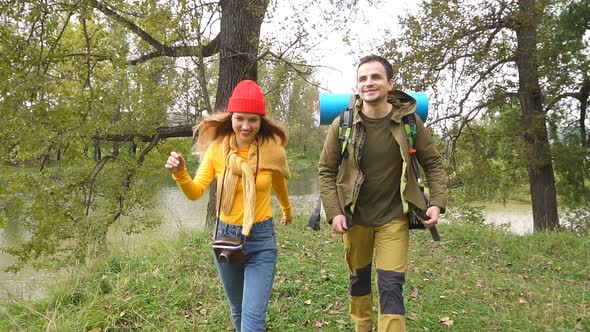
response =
{"points": [[94, 95]]}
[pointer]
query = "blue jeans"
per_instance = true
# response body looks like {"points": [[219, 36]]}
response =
{"points": [[248, 285]]}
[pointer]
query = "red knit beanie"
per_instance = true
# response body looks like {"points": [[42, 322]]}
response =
{"points": [[247, 98]]}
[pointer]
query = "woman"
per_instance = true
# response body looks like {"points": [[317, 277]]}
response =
{"points": [[245, 152]]}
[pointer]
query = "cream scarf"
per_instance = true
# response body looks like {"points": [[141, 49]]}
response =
{"points": [[269, 155]]}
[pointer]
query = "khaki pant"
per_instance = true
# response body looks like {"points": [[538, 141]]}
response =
{"points": [[389, 245]]}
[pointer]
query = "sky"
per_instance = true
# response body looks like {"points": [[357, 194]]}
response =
{"points": [[337, 60]]}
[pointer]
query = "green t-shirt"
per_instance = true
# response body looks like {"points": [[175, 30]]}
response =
{"points": [[379, 200]]}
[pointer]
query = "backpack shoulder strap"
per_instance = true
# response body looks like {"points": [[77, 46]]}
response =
{"points": [[344, 134], [409, 121], [345, 126]]}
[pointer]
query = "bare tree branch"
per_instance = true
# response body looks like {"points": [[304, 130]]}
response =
{"points": [[205, 51], [162, 133], [130, 175], [130, 25], [161, 49], [558, 98], [482, 77]]}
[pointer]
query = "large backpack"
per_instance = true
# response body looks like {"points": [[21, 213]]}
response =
{"points": [[344, 135]]}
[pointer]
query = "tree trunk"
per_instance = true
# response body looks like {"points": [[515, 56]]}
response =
{"points": [[540, 165], [584, 94], [238, 54], [239, 35], [97, 151]]}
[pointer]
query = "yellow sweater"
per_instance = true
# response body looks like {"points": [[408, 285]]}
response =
{"points": [[213, 165]]}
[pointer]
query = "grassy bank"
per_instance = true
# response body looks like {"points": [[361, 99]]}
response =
{"points": [[476, 279]]}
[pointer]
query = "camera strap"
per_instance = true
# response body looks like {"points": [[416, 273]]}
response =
{"points": [[218, 217]]}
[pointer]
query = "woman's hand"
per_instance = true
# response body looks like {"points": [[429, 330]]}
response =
{"points": [[285, 221], [175, 162]]}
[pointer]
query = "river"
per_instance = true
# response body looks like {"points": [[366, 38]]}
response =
{"points": [[180, 214]]}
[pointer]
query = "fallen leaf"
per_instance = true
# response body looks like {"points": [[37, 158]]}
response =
{"points": [[308, 302], [446, 321], [414, 294], [521, 300], [320, 323], [412, 317]]}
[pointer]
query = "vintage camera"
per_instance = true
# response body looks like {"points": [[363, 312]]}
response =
{"points": [[229, 250]]}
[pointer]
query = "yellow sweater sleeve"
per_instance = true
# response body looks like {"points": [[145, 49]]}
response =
{"points": [[194, 188], [212, 165], [279, 186]]}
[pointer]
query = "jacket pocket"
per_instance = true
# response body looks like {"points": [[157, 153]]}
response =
{"points": [[345, 181]]}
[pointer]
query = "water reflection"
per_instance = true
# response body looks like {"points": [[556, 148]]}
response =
{"points": [[177, 212], [517, 217], [180, 214], [28, 283]]}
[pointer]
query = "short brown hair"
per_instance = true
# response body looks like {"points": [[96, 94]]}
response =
{"points": [[381, 60]]}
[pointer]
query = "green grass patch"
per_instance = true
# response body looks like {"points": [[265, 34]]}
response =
{"points": [[476, 279]]}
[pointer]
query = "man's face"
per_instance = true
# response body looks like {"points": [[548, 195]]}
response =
{"points": [[372, 83]]}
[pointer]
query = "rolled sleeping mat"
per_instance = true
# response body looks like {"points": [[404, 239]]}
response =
{"points": [[332, 104]]}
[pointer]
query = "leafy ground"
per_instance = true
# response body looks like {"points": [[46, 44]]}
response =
{"points": [[476, 279]]}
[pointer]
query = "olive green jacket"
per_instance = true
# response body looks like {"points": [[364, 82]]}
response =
{"points": [[340, 179]]}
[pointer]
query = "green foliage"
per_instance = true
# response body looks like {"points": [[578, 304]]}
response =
{"points": [[78, 114], [481, 279], [571, 168], [489, 159], [68, 212], [577, 220], [294, 102], [463, 53], [67, 90]]}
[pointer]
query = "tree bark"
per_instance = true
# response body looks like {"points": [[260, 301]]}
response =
{"points": [[162, 132], [584, 94], [239, 35], [237, 44], [238, 56], [540, 165]]}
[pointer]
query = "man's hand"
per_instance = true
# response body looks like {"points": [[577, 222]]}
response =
{"points": [[433, 212], [339, 224], [175, 162]]}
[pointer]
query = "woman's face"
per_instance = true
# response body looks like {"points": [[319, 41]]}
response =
{"points": [[246, 127]]}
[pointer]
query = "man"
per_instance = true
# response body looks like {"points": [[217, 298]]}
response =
{"points": [[368, 195]]}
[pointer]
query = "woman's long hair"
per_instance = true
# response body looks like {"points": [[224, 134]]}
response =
{"points": [[218, 125]]}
